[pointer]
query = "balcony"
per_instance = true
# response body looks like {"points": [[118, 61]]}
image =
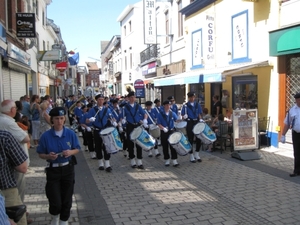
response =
{"points": [[149, 54], [288, 8]]}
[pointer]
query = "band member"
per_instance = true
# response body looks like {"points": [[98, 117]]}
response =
{"points": [[192, 113], [88, 139], [69, 103], [151, 113], [173, 107], [77, 115], [158, 107], [58, 146], [165, 122], [122, 129], [99, 117], [133, 114]]}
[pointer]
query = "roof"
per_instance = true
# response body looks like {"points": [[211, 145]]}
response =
{"points": [[92, 66]]}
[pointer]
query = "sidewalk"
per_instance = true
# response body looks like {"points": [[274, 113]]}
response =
{"points": [[219, 190]]}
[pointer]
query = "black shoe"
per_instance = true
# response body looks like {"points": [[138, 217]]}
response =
{"points": [[108, 169], [150, 156], [101, 167], [141, 167], [176, 165], [134, 166], [94, 157], [199, 160], [193, 161], [294, 174], [157, 155]]}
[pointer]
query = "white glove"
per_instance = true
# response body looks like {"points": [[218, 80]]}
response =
{"points": [[115, 124], [123, 121], [121, 130], [201, 120], [145, 122], [83, 128], [282, 139], [146, 125], [165, 130], [92, 119], [88, 129], [185, 116]]}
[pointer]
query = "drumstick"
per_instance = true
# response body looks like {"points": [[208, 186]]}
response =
{"points": [[97, 112]]}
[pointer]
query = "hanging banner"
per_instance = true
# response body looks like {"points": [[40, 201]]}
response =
{"points": [[149, 21], [25, 25]]}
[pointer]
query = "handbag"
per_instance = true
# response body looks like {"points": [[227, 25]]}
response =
{"points": [[15, 212]]}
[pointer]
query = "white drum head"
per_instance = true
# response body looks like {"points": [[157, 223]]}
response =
{"points": [[199, 128], [181, 124], [175, 138], [136, 133], [107, 130]]}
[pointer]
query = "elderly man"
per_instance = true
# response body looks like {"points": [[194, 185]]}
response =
{"points": [[8, 111], [12, 157]]}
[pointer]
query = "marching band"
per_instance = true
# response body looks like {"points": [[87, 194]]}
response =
{"points": [[113, 125]]}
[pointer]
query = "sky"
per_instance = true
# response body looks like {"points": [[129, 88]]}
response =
{"points": [[84, 23]]}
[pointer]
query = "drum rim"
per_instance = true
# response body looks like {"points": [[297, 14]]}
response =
{"points": [[107, 129]]}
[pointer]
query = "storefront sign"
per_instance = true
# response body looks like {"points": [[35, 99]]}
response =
{"points": [[149, 21], [51, 55], [149, 68], [18, 54], [197, 52], [25, 25], [209, 43], [245, 131], [139, 87]]}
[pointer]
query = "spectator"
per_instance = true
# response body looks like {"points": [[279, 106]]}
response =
{"points": [[45, 123], [26, 111], [35, 123]]}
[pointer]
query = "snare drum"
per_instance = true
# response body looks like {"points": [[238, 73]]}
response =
{"points": [[204, 133], [181, 126], [111, 140], [154, 130], [180, 143], [141, 137]]}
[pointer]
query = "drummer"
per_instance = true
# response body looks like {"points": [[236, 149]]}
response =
{"points": [[151, 113], [173, 107], [165, 122], [158, 107], [192, 113], [132, 115], [99, 117], [122, 127]]}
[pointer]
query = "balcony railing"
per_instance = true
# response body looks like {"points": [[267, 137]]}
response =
{"points": [[149, 54]]}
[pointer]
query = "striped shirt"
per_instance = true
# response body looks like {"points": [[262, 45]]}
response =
{"points": [[11, 156]]}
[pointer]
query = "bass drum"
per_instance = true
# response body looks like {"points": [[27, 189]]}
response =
{"points": [[180, 143], [141, 137], [111, 140]]}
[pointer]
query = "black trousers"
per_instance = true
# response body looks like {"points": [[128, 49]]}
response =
{"points": [[165, 145], [88, 140], [99, 146], [60, 189], [70, 116], [123, 139], [129, 128], [190, 135], [296, 146]]}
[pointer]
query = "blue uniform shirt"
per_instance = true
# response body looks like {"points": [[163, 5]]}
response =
{"points": [[152, 113], [167, 120], [78, 112], [174, 108], [101, 118], [193, 111], [116, 114], [133, 114], [83, 118], [50, 142]]}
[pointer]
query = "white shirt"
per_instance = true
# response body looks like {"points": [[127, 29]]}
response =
{"points": [[293, 118], [8, 123]]}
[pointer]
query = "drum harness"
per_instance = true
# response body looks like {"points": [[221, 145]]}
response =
{"points": [[150, 117], [193, 110], [133, 116], [100, 119], [170, 118]]}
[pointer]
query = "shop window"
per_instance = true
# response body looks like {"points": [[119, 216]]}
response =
{"points": [[199, 90], [244, 92]]}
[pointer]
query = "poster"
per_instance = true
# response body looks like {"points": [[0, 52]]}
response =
{"points": [[245, 131]]}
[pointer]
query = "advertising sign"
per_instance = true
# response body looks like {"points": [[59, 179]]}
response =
{"points": [[25, 25], [149, 21], [245, 130], [139, 87]]}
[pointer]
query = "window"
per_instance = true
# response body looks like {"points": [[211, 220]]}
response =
{"points": [[124, 30], [244, 92], [43, 19], [130, 26], [37, 8], [167, 26], [130, 61], [125, 63], [180, 20]]}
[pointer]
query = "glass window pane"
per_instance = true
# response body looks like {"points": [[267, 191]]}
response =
{"points": [[245, 92]]}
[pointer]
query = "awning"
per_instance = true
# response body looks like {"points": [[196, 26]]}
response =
{"points": [[61, 66], [284, 41], [207, 75]]}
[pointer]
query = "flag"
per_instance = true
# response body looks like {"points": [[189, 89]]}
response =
{"points": [[74, 59]]}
